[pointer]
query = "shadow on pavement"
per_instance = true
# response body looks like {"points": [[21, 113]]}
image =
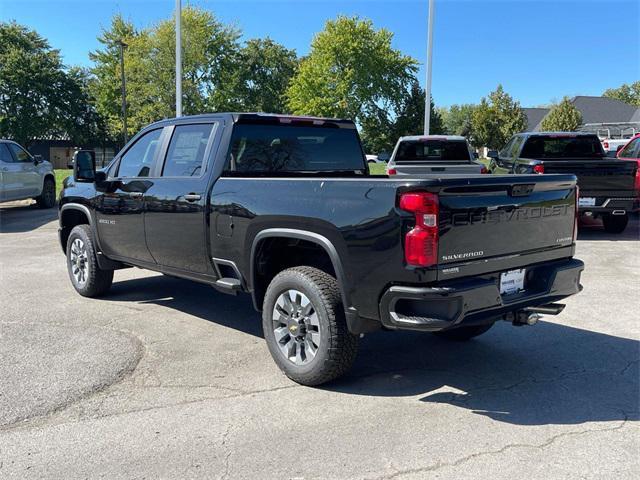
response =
{"points": [[592, 230], [19, 217], [193, 298], [546, 374]]}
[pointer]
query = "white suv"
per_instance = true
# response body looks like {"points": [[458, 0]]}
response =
{"points": [[23, 176]]}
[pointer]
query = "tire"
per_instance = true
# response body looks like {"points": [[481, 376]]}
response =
{"points": [[462, 334], [615, 223], [86, 276], [47, 198], [308, 337]]}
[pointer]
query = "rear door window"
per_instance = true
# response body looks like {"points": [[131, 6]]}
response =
{"points": [[260, 149], [185, 156], [432, 151]]}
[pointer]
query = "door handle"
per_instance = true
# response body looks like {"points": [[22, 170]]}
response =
{"points": [[5, 169], [192, 197], [136, 194]]}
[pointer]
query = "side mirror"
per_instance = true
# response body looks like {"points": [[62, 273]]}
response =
{"points": [[620, 147], [384, 157], [84, 166], [492, 154], [475, 155], [37, 159]]}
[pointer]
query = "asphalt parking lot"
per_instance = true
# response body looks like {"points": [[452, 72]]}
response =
{"points": [[164, 378]]}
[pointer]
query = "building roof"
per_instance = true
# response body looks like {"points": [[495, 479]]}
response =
{"points": [[604, 109], [534, 117], [593, 110]]}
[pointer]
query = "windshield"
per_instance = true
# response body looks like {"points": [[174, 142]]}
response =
{"points": [[432, 150], [257, 148], [550, 146]]}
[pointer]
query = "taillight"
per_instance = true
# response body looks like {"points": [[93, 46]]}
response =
{"points": [[605, 145], [391, 171], [538, 168], [421, 243], [637, 185], [484, 170], [575, 223]]}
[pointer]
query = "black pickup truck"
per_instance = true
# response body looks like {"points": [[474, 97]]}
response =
{"points": [[284, 209], [607, 185]]}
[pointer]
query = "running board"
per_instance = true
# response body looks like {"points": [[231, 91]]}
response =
{"points": [[228, 285]]}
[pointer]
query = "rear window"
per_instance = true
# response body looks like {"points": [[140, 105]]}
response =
{"points": [[562, 147], [257, 148], [432, 150]]}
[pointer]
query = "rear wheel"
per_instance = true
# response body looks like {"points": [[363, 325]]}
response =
{"points": [[615, 223], [462, 334], [47, 198], [305, 328], [86, 276]]}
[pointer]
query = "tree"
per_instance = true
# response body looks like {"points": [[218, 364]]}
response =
{"points": [[563, 117], [496, 119], [352, 72], [210, 51], [626, 93], [382, 134], [38, 97], [259, 79], [458, 120]]}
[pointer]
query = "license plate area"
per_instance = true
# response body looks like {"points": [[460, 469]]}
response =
{"points": [[587, 202], [512, 281]]}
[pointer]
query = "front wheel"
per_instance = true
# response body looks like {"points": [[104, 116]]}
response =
{"points": [[462, 334], [615, 223], [47, 198], [305, 327], [86, 276]]}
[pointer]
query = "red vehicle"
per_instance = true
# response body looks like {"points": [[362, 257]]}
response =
{"points": [[631, 151]]}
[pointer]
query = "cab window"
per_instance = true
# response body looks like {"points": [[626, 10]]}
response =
{"points": [[138, 160], [19, 153], [628, 151], [5, 154]]}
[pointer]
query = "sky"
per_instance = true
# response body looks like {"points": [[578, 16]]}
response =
{"points": [[539, 51]]}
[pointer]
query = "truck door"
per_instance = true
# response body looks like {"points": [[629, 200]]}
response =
{"points": [[119, 212], [176, 203], [24, 172]]}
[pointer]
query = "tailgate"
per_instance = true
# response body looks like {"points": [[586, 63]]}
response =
{"points": [[501, 218], [597, 175], [450, 168]]}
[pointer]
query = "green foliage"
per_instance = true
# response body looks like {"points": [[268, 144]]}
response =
{"points": [[496, 119], [259, 79], [210, 52], [353, 72], [626, 93], [458, 119], [38, 97], [563, 117]]}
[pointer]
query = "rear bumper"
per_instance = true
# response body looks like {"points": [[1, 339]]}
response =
{"points": [[477, 300], [604, 205]]}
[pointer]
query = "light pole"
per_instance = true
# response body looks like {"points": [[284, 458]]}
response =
{"points": [[178, 59], [122, 46], [427, 100]]}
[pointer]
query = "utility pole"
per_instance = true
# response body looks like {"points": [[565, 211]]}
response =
{"points": [[427, 100], [122, 46], [178, 59]]}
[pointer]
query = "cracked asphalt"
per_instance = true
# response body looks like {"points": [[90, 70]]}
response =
{"points": [[169, 379]]}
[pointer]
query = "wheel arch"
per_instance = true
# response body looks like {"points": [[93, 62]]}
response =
{"points": [[288, 233], [72, 214]]}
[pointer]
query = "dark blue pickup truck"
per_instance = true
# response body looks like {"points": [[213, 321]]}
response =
{"points": [[284, 209]]}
